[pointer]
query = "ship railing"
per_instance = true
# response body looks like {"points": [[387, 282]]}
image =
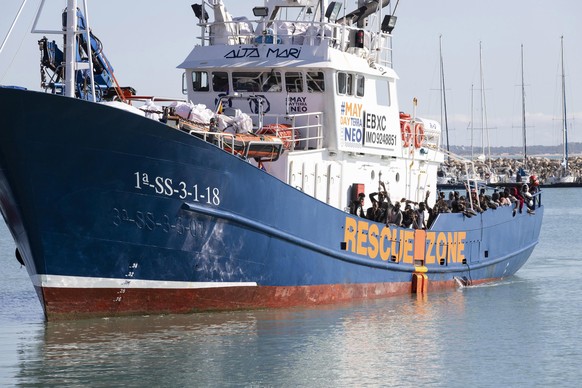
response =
{"points": [[470, 179], [305, 133], [306, 129], [312, 131], [228, 142], [375, 46], [382, 49], [537, 198]]}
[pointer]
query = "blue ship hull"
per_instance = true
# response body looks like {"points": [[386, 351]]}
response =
{"points": [[116, 214]]}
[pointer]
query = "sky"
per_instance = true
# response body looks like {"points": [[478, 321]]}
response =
{"points": [[145, 40]]}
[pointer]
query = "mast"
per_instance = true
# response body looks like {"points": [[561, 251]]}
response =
{"points": [[483, 107], [89, 50], [564, 115], [472, 126], [71, 31], [70, 50], [523, 124], [444, 116]]}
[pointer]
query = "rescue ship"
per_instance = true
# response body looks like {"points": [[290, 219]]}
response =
{"points": [[123, 204]]}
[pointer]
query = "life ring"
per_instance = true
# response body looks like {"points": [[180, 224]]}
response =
{"points": [[406, 131], [418, 135]]}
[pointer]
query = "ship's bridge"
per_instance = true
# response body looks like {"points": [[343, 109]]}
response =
{"points": [[312, 71]]}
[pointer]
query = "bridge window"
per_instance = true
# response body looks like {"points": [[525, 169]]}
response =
{"points": [[294, 82], [246, 81], [200, 81], [344, 84], [315, 82], [360, 85], [271, 81], [383, 92], [220, 81]]}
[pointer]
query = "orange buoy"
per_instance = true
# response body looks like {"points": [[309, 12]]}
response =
{"points": [[406, 131], [418, 135]]}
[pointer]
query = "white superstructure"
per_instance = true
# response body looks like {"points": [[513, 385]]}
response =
{"points": [[328, 74]]}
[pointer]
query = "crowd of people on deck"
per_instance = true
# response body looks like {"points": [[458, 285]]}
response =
{"points": [[383, 210]]}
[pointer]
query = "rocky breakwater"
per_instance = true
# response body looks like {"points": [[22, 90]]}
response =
{"points": [[505, 170]]}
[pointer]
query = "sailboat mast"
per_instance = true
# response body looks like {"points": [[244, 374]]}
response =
{"points": [[12, 26], [482, 82], [472, 125], [523, 124], [484, 126], [444, 115], [564, 111]]}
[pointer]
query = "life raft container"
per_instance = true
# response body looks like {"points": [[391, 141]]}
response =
{"points": [[262, 148], [283, 131]]}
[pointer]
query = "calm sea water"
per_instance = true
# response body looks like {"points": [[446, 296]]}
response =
{"points": [[520, 332]]}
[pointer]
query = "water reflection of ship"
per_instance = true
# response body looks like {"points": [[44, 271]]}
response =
{"points": [[349, 343]]}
